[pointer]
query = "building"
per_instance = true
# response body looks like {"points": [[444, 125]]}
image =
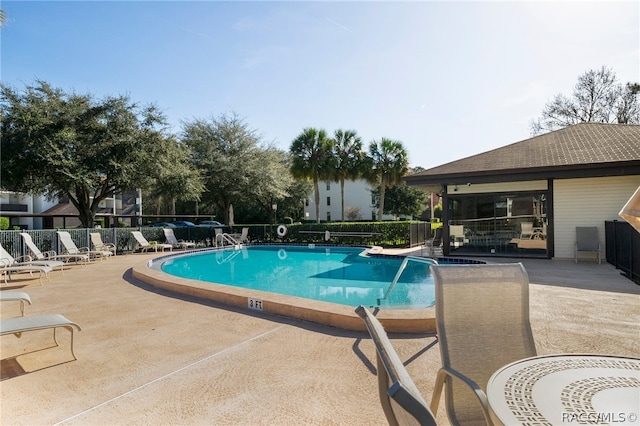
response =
{"points": [[527, 198], [357, 199], [37, 212]]}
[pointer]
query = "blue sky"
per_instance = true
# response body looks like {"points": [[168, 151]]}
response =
{"points": [[447, 79]]}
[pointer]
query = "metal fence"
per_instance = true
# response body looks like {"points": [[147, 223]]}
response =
{"points": [[392, 234], [622, 247]]}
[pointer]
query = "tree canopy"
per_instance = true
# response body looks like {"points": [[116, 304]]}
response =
{"points": [[311, 158], [389, 162], [401, 200], [70, 145], [597, 97], [349, 159], [234, 166]]}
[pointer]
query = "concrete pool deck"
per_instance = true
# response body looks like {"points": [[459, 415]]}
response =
{"points": [[148, 356]]}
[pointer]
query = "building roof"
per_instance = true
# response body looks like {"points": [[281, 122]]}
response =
{"points": [[584, 149]]}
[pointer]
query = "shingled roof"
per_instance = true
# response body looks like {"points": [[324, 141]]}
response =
{"points": [[585, 146]]}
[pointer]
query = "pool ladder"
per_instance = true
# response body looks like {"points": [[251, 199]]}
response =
{"points": [[227, 238], [401, 269]]}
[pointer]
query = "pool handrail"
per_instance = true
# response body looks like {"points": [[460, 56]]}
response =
{"points": [[401, 269]]}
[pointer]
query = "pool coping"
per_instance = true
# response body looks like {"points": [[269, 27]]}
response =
{"points": [[325, 313]]}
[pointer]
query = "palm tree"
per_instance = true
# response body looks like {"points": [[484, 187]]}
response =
{"points": [[3, 17], [311, 159], [347, 150], [389, 162]]}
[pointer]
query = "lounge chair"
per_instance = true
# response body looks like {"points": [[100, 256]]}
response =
{"points": [[482, 320], [399, 396], [171, 239], [15, 296], [8, 265], [435, 243], [49, 255], [27, 260], [19, 325], [144, 245], [98, 245], [587, 241], [244, 236], [71, 248]]}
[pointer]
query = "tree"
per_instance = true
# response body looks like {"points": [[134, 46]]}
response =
{"points": [[388, 163], [69, 145], [272, 182], [402, 200], [311, 158], [597, 98], [234, 165], [349, 157], [177, 179]]}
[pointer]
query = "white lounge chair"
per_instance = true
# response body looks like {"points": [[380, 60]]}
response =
{"points": [[19, 325], [15, 296], [144, 245], [50, 255], [8, 266], [27, 260], [71, 248], [244, 236], [98, 245], [171, 239]]}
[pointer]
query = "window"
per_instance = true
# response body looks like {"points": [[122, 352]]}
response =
{"points": [[328, 201], [328, 216], [306, 202], [328, 186]]}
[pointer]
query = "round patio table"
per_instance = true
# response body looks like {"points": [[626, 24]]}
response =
{"points": [[567, 389]]}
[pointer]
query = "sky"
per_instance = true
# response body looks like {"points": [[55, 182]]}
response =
{"points": [[448, 79]]}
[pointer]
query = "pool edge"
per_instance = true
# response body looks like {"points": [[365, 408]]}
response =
{"points": [[325, 313]]}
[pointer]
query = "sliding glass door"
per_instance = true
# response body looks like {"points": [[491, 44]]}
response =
{"points": [[498, 224]]}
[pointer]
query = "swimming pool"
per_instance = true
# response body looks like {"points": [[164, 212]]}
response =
{"points": [[342, 275]]}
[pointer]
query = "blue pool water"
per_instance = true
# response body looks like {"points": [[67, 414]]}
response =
{"points": [[331, 274]]}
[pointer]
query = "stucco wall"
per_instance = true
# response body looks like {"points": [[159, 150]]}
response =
{"points": [[587, 202]]}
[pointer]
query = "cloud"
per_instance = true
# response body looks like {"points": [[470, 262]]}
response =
{"points": [[338, 25]]}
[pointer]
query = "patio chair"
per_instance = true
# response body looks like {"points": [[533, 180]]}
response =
{"points": [[19, 325], [50, 255], [526, 230], [71, 248], [587, 241], [435, 242], [176, 243], [15, 296], [98, 245], [400, 398], [8, 266], [457, 237], [143, 245], [27, 260], [244, 236], [482, 320]]}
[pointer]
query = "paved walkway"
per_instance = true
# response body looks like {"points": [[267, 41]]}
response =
{"points": [[146, 357]]}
